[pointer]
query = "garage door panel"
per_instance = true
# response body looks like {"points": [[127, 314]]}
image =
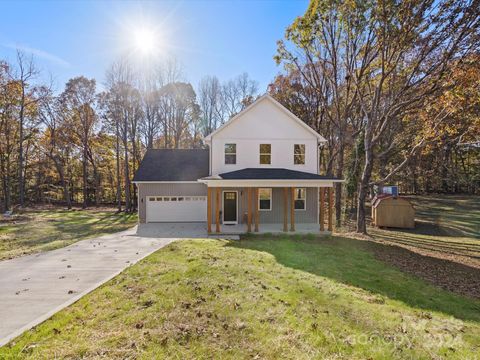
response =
{"points": [[176, 208]]}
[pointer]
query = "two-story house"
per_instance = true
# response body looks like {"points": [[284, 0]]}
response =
{"points": [[261, 167]]}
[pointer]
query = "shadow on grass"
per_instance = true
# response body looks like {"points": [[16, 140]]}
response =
{"points": [[458, 248], [353, 262], [445, 215]]}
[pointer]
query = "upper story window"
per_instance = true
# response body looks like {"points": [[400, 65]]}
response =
{"points": [[265, 154], [265, 199], [300, 198], [299, 154], [230, 153]]}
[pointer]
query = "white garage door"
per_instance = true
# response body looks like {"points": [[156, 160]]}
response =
{"points": [[176, 208]]}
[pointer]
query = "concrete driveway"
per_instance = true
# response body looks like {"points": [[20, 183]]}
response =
{"points": [[34, 287]]}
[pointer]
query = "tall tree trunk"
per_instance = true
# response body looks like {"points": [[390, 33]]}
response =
{"points": [[96, 177], [85, 179], [21, 180], [134, 162], [364, 183], [338, 185], [128, 204], [117, 159], [6, 186], [66, 194]]}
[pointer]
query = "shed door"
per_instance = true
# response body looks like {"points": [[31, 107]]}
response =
{"points": [[176, 208]]}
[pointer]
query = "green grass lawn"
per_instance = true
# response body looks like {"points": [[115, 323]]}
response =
{"points": [[37, 231], [272, 297]]}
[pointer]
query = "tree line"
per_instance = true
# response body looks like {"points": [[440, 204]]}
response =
{"points": [[394, 87], [83, 146]]}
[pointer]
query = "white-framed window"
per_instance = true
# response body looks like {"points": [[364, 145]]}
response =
{"points": [[265, 199], [299, 154], [265, 154], [300, 199], [151, 199], [230, 154]]}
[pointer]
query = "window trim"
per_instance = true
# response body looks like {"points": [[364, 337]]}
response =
{"points": [[271, 199], [225, 153], [304, 199], [295, 154], [264, 154]]}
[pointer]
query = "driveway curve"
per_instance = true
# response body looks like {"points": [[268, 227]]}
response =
{"points": [[34, 287]]}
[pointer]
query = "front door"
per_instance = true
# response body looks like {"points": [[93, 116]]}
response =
{"points": [[230, 207]]}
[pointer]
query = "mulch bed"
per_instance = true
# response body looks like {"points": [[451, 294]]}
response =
{"points": [[449, 275]]}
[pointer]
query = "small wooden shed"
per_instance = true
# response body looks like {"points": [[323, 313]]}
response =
{"points": [[392, 211]]}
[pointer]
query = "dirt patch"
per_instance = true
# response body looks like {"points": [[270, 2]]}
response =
{"points": [[449, 275]]}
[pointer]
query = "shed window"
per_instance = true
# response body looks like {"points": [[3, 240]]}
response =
{"points": [[300, 198], [230, 154], [265, 154], [265, 199], [299, 154]]}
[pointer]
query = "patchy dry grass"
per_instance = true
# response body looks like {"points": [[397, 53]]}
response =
{"points": [[42, 230], [276, 297], [447, 227]]}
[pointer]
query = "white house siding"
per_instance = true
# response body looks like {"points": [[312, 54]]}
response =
{"points": [[264, 123], [166, 189]]}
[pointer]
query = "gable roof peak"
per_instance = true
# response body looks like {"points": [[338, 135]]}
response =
{"points": [[269, 97]]}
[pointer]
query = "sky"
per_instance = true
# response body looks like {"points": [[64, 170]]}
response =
{"points": [[222, 38]]}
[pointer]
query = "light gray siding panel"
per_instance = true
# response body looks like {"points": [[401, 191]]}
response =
{"points": [[166, 189], [310, 215]]}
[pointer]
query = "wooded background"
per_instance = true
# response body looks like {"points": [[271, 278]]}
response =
{"points": [[394, 86]]}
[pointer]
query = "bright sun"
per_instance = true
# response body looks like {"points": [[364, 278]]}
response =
{"points": [[145, 40]]}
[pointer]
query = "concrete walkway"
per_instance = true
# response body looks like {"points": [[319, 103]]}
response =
{"points": [[34, 287]]}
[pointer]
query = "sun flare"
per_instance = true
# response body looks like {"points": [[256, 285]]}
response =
{"points": [[145, 40]]}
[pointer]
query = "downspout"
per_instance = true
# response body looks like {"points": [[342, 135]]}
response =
{"points": [[211, 151]]}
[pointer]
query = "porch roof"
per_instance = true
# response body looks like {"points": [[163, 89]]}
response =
{"points": [[274, 177], [272, 174]]}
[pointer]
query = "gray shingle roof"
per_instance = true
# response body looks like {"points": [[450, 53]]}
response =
{"points": [[173, 165], [272, 174]]}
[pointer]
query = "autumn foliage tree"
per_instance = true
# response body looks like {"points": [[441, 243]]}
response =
{"points": [[377, 63]]}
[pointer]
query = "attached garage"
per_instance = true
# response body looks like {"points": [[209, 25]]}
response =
{"points": [[173, 208], [168, 190]]}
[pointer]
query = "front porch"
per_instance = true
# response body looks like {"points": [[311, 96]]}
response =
{"points": [[317, 217], [269, 200]]}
